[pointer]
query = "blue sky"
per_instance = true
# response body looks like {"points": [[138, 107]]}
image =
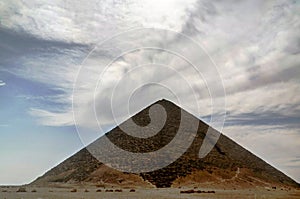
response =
{"points": [[27, 148], [255, 45]]}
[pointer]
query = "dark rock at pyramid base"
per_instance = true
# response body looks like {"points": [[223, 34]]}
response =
{"points": [[228, 164]]}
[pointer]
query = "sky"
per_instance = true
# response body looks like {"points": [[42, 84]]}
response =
{"points": [[52, 57]]}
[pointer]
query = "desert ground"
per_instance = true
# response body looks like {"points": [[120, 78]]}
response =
{"points": [[30, 192]]}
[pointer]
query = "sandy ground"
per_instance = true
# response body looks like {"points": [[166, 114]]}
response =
{"points": [[59, 193]]}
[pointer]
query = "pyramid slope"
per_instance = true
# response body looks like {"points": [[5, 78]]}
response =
{"points": [[227, 163]]}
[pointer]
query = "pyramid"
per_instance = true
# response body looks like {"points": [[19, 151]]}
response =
{"points": [[227, 164]]}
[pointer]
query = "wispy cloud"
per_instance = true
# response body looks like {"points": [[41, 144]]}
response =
{"points": [[273, 143], [48, 118], [2, 83], [254, 47], [81, 23]]}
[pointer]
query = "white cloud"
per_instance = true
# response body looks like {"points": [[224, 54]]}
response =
{"points": [[274, 97], [48, 118], [2, 83], [91, 21], [275, 145], [250, 43]]}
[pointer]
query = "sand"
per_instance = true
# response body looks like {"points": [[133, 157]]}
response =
{"points": [[91, 193]]}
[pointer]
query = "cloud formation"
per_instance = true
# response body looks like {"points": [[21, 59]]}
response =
{"points": [[2, 83], [91, 21]]}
